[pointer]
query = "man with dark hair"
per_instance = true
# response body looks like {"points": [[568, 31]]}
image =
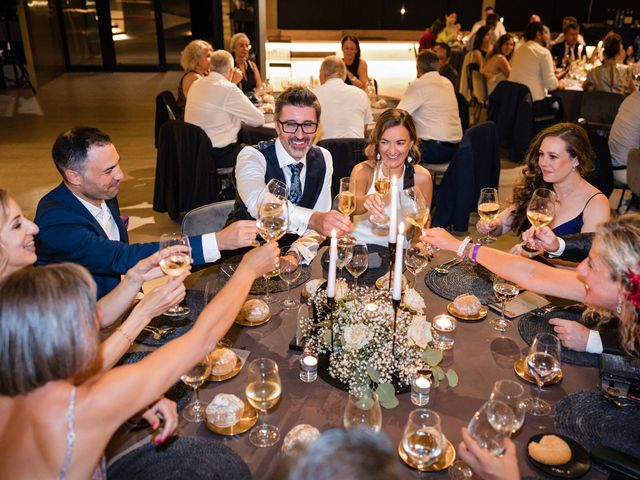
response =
{"points": [[569, 48], [491, 19], [432, 103], [80, 219], [304, 168], [445, 69]]}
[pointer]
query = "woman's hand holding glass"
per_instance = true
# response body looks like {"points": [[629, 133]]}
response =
{"points": [[488, 208], [375, 203], [541, 239], [485, 465], [175, 261], [273, 223], [540, 211]]}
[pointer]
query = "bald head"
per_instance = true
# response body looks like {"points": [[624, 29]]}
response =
{"points": [[332, 67]]}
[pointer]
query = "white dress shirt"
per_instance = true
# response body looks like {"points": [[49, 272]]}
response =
{"points": [[625, 133], [345, 110], [219, 107], [432, 103], [251, 167], [532, 65]]}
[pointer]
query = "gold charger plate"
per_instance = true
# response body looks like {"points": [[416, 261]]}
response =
{"points": [[240, 320], [521, 370], [445, 461], [248, 420], [236, 369], [380, 283], [478, 316]]}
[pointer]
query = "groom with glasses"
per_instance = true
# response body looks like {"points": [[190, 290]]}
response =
{"points": [[304, 168]]}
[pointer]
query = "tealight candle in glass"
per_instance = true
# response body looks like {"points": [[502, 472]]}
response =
{"points": [[308, 366], [443, 331], [420, 388]]}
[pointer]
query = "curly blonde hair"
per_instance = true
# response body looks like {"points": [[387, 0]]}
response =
{"points": [[191, 54], [388, 119]]}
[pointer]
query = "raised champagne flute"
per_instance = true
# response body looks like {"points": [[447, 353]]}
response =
{"points": [[263, 392], [196, 376], [175, 264], [414, 207], [543, 363], [423, 441], [488, 208], [347, 196], [290, 271], [274, 192], [359, 261], [273, 223], [541, 210], [504, 291], [382, 185]]}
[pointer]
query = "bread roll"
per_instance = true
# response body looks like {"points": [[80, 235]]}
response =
{"points": [[224, 410], [467, 304], [223, 361], [255, 310], [552, 450], [299, 436]]}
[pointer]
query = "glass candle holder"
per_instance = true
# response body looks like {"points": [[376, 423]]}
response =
{"points": [[308, 366], [420, 388], [443, 331]]}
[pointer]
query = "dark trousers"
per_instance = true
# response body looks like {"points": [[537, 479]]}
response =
{"points": [[433, 151], [226, 156]]}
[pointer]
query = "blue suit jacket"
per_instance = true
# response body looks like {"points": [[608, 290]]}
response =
{"points": [[69, 233]]}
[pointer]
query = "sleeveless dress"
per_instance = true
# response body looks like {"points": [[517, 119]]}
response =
{"points": [[353, 70], [575, 224], [248, 83], [181, 99]]}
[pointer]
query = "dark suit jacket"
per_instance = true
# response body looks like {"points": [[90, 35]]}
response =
{"points": [[69, 233], [577, 246], [557, 51]]}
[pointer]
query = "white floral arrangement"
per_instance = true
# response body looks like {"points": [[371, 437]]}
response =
{"points": [[365, 355]]}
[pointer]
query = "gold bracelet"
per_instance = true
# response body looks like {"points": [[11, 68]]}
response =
{"points": [[125, 335]]}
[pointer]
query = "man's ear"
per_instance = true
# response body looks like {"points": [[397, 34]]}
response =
{"points": [[72, 177]]}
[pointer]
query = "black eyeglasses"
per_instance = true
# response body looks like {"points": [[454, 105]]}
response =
{"points": [[292, 127]]}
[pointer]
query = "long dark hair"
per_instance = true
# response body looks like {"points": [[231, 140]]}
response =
{"points": [[480, 34], [497, 48], [354, 39]]}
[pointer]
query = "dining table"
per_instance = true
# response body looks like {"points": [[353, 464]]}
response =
{"points": [[570, 99], [480, 356]]}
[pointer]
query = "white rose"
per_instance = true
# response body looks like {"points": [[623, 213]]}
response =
{"points": [[356, 336], [342, 289], [419, 331], [413, 300]]}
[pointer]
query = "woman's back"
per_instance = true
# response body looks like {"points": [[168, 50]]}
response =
{"points": [[613, 78]]}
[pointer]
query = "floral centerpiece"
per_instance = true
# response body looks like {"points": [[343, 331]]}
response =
{"points": [[364, 355]]}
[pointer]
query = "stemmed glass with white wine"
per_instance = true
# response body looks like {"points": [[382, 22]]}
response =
{"points": [[178, 262], [263, 392], [414, 207], [347, 196], [196, 376], [504, 291], [543, 363], [290, 271], [382, 185], [359, 260], [416, 258], [423, 441], [488, 208], [541, 210], [272, 223]]}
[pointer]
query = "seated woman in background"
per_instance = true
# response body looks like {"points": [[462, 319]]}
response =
{"points": [[481, 46], [558, 159], [357, 73], [394, 143], [613, 75], [240, 47], [194, 60], [428, 38], [496, 66], [451, 29]]}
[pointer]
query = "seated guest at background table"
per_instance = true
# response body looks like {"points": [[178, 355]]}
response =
{"points": [[492, 21], [240, 47], [496, 67], [499, 29], [624, 135], [194, 60], [393, 142], [357, 73], [566, 21], [217, 106], [609, 280], [486, 465], [569, 49], [345, 108], [558, 159], [481, 46], [451, 29], [304, 168], [432, 103], [613, 75], [80, 222], [535, 18], [443, 51], [428, 38], [53, 426]]}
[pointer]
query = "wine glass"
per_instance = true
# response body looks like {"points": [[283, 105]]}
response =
{"points": [[359, 260], [488, 208], [414, 207], [382, 185], [176, 264], [263, 392], [512, 394], [541, 210], [416, 258], [194, 412], [211, 289], [345, 251], [273, 223], [290, 271], [423, 441], [504, 290], [363, 411], [543, 363], [347, 196]]}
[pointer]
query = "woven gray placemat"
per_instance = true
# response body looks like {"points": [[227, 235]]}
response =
{"points": [[463, 278], [195, 301], [591, 420], [370, 276], [276, 284]]}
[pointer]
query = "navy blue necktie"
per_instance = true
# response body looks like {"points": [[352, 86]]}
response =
{"points": [[295, 191]]}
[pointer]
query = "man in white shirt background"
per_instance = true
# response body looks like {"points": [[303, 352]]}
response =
{"points": [[219, 107], [345, 109], [625, 135], [498, 30]]}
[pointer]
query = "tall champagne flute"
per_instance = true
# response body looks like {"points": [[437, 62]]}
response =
{"points": [[347, 196], [359, 260], [414, 207], [263, 392], [273, 223], [194, 412], [488, 208], [504, 291], [382, 185], [175, 264], [541, 210], [543, 363], [290, 271], [423, 441]]}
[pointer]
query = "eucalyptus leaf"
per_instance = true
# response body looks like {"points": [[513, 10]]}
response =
{"points": [[326, 337], [438, 373], [452, 377], [432, 356], [393, 403], [386, 392], [373, 373]]}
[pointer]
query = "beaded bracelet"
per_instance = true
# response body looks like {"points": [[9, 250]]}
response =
{"points": [[125, 335], [474, 254], [462, 246]]}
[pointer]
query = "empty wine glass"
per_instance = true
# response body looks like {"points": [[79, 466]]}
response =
{"points": [[263, 392], [414, 207], [211, 289], [363, 411], [504, 291], [345, 251], [488, 208], [176, 264], [423, 441], [541, 210], [416, 258], [194, 412], [359, 260], [382, 185], [273, 223], [543, 363], [512, 394], [290, 271]]}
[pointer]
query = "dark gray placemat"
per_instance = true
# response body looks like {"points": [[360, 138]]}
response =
{"points": [[530, 324], [591, 420], [187, 458], [463, 278], [370, 276], [276, 284]]}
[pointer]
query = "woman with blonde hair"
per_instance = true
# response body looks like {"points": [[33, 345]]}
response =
{"points": [[240, 47], [195, 61]]}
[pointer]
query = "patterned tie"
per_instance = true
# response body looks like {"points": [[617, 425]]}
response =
{"points": [[107, 223], [295, 192]]}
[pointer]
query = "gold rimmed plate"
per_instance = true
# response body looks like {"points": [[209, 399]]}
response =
{"points": [[521, 370], [383, 282], [445, 460], [221, 378], [241, 320], [478, 316], [248, 420]]}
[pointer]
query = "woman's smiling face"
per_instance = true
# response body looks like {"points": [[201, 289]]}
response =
{"points": [[17, 237]]}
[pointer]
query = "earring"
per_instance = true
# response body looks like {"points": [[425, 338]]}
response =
{"points": [[409, 159], [619, 307], [378, 157], [574, 167]]}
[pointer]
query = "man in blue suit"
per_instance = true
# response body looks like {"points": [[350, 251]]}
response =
{"points": [[80, 220]]}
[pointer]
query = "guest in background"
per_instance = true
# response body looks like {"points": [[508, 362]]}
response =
{"points": [[357, 74], [566, 21], [499, 27], [612, 76], [194, 60], [428, 38], [250, 80], [345, 108], [217, 106], [625, 135], [445, 69], [535, 18], [492, 21], [496, 67], [570, 49], [481, 46], [432, 103], [451, 29]]}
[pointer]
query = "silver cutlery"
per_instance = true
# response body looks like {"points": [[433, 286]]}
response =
{"points": [[228, 270], [444, 268], [543, 311]]}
